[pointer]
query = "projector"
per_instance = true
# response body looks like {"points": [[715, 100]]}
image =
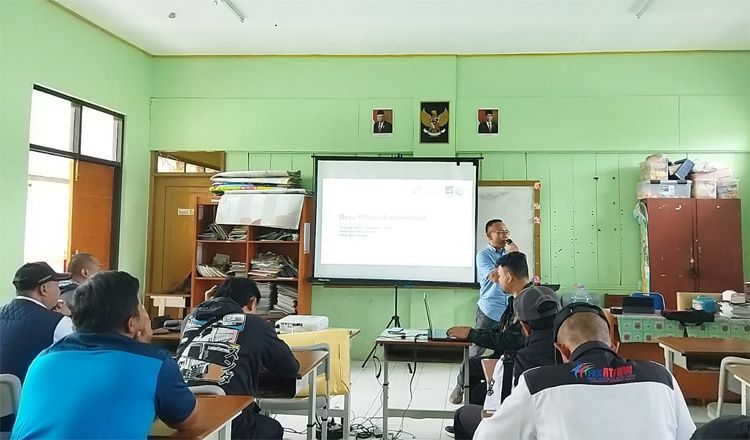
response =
{"points": [[301, 323]]}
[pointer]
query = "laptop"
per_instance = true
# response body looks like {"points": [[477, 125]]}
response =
{"points": [[435, 334]]}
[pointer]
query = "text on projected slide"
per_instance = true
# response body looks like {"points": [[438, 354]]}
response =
{"points": [[405, 222]]}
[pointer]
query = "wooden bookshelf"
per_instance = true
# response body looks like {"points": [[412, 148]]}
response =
{"points": [[245, 250]]}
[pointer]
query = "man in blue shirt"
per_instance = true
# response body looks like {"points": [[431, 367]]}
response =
{"points": [[492, 299], [115, 382]]}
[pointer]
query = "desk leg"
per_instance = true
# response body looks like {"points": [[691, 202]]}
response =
{"points": [[385, 395], [225, 432], [466, 375], [669, 359], [324, 429], [312, 379], [745, 403]]}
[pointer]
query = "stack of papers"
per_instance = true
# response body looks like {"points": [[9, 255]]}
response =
{"points": [[257, 181], [271, 265], [279, 235], [729, 310]]}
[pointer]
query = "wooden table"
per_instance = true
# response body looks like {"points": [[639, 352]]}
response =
{"points": [[171, 336], [742, 373], [415, 346], [701, 354], [215, 415]]}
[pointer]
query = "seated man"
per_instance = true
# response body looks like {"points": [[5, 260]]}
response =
{"points": [[513, 276], [115, 384], [536, 308], [82, 266], [225, 327], [587, 396], [27, 324]]}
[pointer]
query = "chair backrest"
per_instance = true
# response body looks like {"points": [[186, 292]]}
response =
{"points": [[10, 394], [727, 380], [212, 390], [339, 357], [685, 299], [657, 297]]}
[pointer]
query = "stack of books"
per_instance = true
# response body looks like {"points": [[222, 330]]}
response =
{"points": [[215, 232], [271, 265], [286, 299], [238, 233], [279, 235], [238, 269], [266, 294], [207, 271]]}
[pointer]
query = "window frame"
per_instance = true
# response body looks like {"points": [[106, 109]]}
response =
{"points": [[75, 155]]}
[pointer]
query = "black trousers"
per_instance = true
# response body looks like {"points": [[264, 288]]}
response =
{"points": [[477, 384], [466, 420], [253, 426]]}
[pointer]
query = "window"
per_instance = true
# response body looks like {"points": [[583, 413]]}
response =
{"points": [[74, 179], [63, 124], [169, 164]]}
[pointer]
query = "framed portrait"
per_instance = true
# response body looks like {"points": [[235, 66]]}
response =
{"points": [[382, 122], [435, 122], [488, 120]]}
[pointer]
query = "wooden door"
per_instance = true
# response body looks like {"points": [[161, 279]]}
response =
{"points": [[671, 247], [92, 190], [171, 235], [719, 245]]}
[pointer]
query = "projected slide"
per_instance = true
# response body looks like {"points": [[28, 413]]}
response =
{"points": [[388, 220]]}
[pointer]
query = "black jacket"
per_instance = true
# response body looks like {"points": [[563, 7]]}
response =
{"points": [[539, 350], [231, 351], [505, 336]]}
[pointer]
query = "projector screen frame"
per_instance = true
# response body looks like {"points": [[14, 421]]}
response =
{"points": [[388, 282]]}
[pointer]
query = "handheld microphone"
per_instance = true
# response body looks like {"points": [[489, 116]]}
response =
{"points": [[509, 241]]}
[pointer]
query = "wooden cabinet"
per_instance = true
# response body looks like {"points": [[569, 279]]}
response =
{"points": [[695, 245], [246, 250]]}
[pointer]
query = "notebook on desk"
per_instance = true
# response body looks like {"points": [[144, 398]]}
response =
{"points": [[436, 334]]}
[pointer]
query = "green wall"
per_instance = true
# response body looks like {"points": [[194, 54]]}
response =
{"points": [[579, 123], [42, 44]]}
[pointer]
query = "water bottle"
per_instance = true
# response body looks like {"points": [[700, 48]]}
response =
{"points": [[580, 295]]}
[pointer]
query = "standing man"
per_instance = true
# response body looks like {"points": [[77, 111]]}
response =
{"points": [[82, 267], [382, 126], [492, 299]]}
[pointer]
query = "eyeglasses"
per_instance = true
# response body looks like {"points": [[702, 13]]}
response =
{"points": [[503, 232]]}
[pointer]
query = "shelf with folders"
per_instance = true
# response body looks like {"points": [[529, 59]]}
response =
{"points": [[277, 259]]}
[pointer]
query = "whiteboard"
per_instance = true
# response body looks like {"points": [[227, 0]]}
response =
{"points": [[514, 204]]}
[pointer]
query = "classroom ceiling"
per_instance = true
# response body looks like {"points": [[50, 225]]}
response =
{"points": [[389, 27]]}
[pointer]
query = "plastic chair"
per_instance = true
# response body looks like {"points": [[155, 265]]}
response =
{"points": [[10, 396], [657, 297], [727, 382], [209, 390]]}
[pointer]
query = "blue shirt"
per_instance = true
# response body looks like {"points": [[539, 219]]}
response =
{"points": [[100, 386], [492, 299]]}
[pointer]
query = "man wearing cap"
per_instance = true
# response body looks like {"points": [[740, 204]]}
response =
{"points": [[27, 324], [382, 126], [589, 394], [535, 308]]}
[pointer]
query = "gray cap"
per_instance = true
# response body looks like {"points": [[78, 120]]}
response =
{"points": [[528, 304]]}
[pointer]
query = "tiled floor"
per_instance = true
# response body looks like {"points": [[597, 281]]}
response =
{"points": [[432, 385]]}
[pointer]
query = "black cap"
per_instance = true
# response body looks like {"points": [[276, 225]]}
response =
{"points": [[31, 275], [381, 112], [528, 304], [573, 308]]}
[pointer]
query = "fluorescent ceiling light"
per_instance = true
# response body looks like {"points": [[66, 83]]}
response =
{"points": [[234, 9]]}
